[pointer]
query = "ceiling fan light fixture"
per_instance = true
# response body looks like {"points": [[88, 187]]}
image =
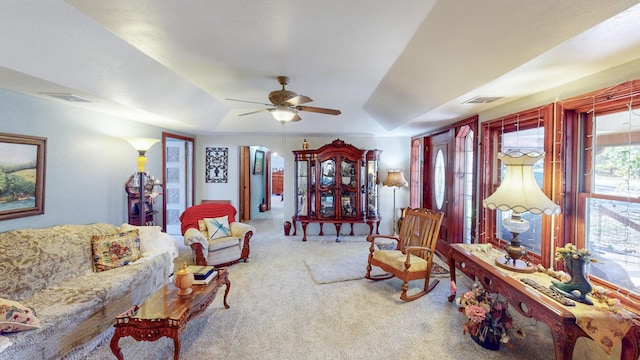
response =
{"points": [[283, 114]]}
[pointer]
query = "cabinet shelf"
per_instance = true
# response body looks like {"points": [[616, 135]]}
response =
{"points": [[135, 194]]}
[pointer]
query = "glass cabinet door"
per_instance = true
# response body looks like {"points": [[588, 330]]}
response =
{"points": [[327, 204], [312, 189], [348, 173], [328, 173], [372, 189], [370, 185], [302, 207], [349, 203]]}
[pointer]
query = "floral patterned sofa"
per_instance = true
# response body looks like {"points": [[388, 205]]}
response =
{"points": [[53, 272]]}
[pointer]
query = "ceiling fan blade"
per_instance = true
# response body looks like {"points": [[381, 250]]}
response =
{"points": [[253, 112], [296, 118], [298, 100], [319, 110], [250, 102]]}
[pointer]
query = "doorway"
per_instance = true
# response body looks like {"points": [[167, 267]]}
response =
{"points": [[177, 177], [261, 186]]}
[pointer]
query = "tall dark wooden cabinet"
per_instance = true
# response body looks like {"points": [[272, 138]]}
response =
{"points": [[336, 183]]}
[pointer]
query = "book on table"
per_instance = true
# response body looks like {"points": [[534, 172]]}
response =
{"points": [[202, 275]]}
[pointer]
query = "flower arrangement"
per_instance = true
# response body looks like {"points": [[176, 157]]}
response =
{"points": [[601, 295], [489, 320], [571, 251]]}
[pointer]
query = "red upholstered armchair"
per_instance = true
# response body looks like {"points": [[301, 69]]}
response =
{"points": [[214, 235]]}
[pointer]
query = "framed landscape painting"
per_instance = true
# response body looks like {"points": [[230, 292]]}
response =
{"points": [[22, 170], [258, 164]]}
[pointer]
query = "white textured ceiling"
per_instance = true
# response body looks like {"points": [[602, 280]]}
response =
{"points": [[392, 68]]}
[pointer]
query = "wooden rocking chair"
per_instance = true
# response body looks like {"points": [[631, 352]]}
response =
{"points": [[413, 257]]}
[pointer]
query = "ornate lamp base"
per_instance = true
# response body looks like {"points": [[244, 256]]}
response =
{"points": [[517, 266]]}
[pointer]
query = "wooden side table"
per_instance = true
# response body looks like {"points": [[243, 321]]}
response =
{"points": [[530, 303], [165, 313]]}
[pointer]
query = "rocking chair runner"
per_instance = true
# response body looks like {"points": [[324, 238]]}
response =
{"points": [[413, 257]]}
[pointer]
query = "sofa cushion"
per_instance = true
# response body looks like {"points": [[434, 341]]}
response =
{"points": [[112, 251], [76, 313], [224, 255], [33, 259], [152, 238], [223, 242], [147, 234], [15, 316], [218, 227]]}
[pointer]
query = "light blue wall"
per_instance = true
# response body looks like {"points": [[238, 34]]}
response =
{"points": [[87, 161]]}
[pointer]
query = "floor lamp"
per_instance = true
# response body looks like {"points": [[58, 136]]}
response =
{"points": [[395, 179], [142, 145]]}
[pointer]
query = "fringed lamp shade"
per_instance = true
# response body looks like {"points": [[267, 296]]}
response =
{"points": [[519, 192], [395, 178]]}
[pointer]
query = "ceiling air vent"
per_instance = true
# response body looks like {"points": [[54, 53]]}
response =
{"points": [[482, 99], [67, 97]]}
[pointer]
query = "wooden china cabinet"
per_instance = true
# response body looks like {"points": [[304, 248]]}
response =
{"points": [[336, 183]]}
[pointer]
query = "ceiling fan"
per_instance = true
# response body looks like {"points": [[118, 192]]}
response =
{"points": [[285, 104]]}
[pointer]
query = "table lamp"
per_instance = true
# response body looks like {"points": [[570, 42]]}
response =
{"points": [[519, 192]]}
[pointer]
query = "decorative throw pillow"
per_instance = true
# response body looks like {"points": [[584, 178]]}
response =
{"points": [[203, 228], [112, 251], [218, 227], [15, 316], [148, 235]]}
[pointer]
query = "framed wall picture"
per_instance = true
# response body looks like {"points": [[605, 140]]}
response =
{"points": [[217, 161], [22, 175], [258, 164]]}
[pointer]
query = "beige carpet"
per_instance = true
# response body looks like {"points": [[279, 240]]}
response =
{"points": [[344, 266], [350, 265], [279, 312]]}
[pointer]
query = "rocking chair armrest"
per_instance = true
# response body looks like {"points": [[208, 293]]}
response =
{"points": [[416, 248], [411, 249], [371, 238]]}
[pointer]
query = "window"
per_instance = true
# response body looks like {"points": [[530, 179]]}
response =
{"points": [[603, 133], [524, 141], [468, 146], [525, 131]]}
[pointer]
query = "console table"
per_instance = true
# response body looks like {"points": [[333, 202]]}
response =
{"points": [[165, 313], [528, 301]]}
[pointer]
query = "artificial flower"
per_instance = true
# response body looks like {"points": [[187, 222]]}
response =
{"points": [[487, 315]]}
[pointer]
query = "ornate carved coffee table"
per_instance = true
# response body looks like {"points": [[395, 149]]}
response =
{"points": [[165, 313]]}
